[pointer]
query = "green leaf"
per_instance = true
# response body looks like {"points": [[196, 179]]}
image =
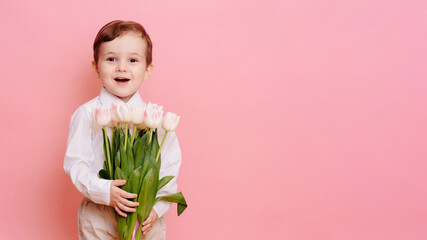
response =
{"points": [[131, 222], [176, 198], [124, 160], [154, 188], [130, 158], [119, 174], [154, 144], [110, 154], [122, 136], [146, 161], [126, 225], [143, 132], [134, 180], [136, 143], [164, 181], [140, 151], [139, 155], [121, 226], [154, 150], [118, 161], [105, 165], [103, 174], [116, 144], [134, 188], [105, 151], [144, 196]]}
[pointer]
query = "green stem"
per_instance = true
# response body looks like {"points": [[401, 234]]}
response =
{"points": [[161, 145], [110, 167], [138, 233], [126, 135], [151, 135], [133, 136]]}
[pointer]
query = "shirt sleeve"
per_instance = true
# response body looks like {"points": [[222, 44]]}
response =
{"points": [[79, 158], [171, 161]]}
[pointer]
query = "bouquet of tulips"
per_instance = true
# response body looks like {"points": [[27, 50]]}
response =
{"points": [[136, 157]]}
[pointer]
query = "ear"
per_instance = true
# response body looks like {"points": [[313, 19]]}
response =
{"points": [[95, 69], [148, 71]]}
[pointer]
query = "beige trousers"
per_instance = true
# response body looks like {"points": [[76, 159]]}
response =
{"points": [[98, 221]]}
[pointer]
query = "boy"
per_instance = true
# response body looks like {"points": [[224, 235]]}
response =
{"points": [[122, 60]]}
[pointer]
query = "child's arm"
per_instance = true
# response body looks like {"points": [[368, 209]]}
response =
{"points": [[80, 163], [80, 158]]}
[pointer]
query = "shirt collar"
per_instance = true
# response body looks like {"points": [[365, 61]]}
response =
{"points": [[107, 98]]}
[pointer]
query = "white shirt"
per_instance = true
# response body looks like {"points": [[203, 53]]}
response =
{"points": [[85, 154]]}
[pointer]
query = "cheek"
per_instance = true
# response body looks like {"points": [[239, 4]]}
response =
{"points": [[103, 69]]}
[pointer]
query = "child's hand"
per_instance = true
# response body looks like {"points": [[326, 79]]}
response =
{"points": [[148, 224], [119, 198]]}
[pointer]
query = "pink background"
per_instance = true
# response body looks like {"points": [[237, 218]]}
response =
{"points": [[300, 119]]}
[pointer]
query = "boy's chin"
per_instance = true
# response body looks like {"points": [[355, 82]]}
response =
{"points": [[122, 92], [125, 97]]}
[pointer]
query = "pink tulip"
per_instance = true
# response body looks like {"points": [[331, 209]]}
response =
{"points": [[138, 115], [116, 115], [170, 122], [153, 115], [102, 116], [127, 111], [121, 112]]}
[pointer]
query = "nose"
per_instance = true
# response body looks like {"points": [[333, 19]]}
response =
{"points": [[122, 67]]}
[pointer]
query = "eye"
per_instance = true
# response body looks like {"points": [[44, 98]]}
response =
{"points": [[133, 60], [110, 59]]}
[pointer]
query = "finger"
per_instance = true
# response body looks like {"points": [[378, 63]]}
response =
{"points": [[128, 203], [119, 182], [120, 212], [125, 194], [145, 227], [147, 221], [145, 232], [125, 208]]}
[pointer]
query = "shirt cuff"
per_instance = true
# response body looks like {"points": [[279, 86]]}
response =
{"points": [[101, 192], [161, 207]]}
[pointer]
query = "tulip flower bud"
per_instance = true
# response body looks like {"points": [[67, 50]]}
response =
{"points": [[138, 115], [116, 115], [170, 122], [153, 115], [102, 116], [121, 112], [127, 112]]}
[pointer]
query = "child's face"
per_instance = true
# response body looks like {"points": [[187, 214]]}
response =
{"points": [[122, 66]]}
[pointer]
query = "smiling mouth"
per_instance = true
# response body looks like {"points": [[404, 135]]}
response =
{"points": [[121, 79]]}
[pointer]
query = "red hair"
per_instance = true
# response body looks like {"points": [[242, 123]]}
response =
{"points": [[116, 28]]}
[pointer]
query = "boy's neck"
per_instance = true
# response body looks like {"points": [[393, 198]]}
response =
{"points": [[124, 99]]}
